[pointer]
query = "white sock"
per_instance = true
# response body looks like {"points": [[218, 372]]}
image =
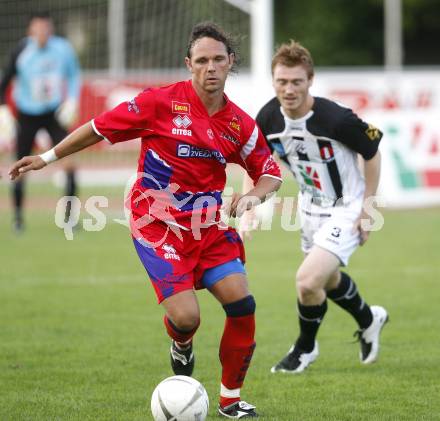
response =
{"points": [[229, 393]]}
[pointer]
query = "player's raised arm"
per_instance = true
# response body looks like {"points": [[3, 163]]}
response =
{"points": [[79, 139]]}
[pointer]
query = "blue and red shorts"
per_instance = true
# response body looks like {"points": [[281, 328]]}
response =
{"points": [[176, 264]]}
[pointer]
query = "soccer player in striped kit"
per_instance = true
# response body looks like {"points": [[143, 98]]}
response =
{"points": [[320, 140]]}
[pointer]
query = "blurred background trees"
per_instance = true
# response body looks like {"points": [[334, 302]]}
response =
{"points": [[350, 32]]}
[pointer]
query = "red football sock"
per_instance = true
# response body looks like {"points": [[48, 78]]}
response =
{"points": [[224, 402], [236, 349]]}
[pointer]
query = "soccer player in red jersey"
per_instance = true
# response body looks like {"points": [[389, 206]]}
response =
{"points": [[190, 131]]}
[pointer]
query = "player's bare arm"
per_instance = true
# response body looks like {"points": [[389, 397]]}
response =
{"points": [[249, 221], [263, 189], [372, 175], [79, 139]]}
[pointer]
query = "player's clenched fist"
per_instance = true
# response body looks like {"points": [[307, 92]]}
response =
{"points": [[26, 164]]}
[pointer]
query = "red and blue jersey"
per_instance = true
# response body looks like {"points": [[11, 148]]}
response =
{"points": [[184, 151]]}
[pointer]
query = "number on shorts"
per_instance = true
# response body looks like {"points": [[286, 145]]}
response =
{"points": [[336, 232]]}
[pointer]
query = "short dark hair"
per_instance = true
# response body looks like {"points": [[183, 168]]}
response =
{"points": [[40, 15], [293, 54], [214, 31]]}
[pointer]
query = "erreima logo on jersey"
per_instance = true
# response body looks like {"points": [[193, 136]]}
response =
{"points": [[182, 121], [170, 252]]}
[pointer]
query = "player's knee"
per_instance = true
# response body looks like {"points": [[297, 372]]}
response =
{"points": [[305, 294], [243, 307], [185, 321], [306, 285]]}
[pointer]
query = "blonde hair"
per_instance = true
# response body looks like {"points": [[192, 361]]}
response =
{"points": [[293, 54]]}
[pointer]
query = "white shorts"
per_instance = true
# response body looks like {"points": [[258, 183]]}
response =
{"points": [[330, 228]]}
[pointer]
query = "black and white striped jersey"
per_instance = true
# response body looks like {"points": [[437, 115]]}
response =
{"points": [[321, 148]]}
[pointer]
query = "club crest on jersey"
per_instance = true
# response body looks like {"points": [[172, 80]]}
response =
{"points": [[326, 152], [234, 124], [180, 107], [210, 134], [182, 122], [372, 132], [170, 252]]}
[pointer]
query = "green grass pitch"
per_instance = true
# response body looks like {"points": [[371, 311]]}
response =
{"points": [[81, 335]]}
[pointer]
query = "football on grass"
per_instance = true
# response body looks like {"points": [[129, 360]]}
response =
{"points": [[179, 398]]}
